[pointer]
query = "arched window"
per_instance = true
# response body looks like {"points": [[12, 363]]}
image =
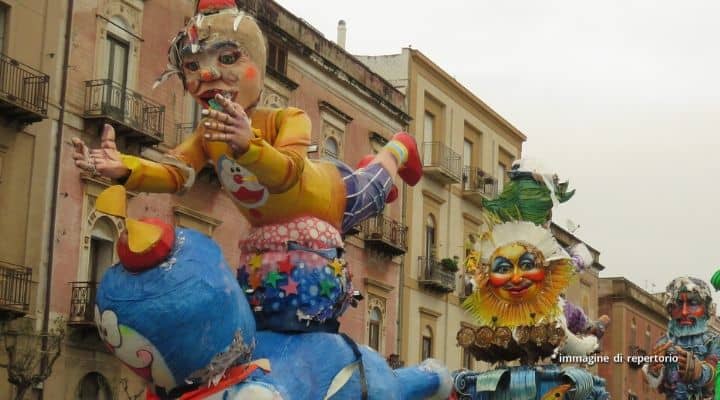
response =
{"points": [[94, 386], [374, 328], [102, 245], [427, 343], [331, 148]]}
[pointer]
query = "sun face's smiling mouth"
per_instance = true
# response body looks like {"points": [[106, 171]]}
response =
{"points": [[208, 95]]}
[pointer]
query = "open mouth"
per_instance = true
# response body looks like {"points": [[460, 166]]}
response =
{"points": [[208, 95], [249, 196], [518, 291]]}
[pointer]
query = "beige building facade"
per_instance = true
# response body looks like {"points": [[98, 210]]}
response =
{"points": [[31, 69], [116, 50], [466, 149]]}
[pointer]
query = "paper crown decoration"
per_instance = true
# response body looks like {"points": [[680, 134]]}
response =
{"points": [[208, 6]]}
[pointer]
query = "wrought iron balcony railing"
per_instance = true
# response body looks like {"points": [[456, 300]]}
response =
{"points": [[15, 288], [478, 184], [23, 91], [129, 112], [82, 303], [183, 131], [433, 276], [442, 163], [385, 235]]}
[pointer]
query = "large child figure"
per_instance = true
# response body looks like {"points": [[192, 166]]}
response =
{"points": [[291, 264]]}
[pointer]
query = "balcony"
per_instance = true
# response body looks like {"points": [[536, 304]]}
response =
{"points": [[23, 91], [82, 304], [385, 235], [441, 163], [183, 131], [132, 115], [434, 277], [15, 288], [478, 185]]}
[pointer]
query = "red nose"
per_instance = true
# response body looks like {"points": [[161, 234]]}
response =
{"points": [[238, 179]]}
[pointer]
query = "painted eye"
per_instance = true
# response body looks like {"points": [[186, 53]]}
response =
{"points": [[192, 65], [228, 58], [502, 268]]}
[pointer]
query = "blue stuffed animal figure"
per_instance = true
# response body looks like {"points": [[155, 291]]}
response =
{"points": [[172, 311]]}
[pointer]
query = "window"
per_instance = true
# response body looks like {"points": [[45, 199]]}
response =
{"points": [[430, 237], [374, 328], [102, 245], [3, 23], [428, 128], [330, 148], [468, 361], [467, 163], [467, 153], [427, 344], [277, 57], [500, 177], [94, 386], [647, 339], [633, 333], [117, 56]]}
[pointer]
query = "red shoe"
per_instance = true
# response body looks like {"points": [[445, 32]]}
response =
{"points": [[393, 193], [411, 171]]}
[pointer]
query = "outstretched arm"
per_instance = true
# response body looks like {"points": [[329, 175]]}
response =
{"points": [[174, 174]]}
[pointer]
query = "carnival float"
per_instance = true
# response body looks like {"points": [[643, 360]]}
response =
{"points": [[520, 272], [172, 310], [175, 314]]}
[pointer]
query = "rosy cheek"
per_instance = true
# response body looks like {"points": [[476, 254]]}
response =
{"points": [[697, 311], [251, 73], [498, 280], [676, 312], [535, 275]]}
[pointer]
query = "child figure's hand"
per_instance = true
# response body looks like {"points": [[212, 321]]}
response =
{"points": [[231, 126]]}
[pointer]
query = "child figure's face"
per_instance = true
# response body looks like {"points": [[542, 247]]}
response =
{"points": [[222, 66]]}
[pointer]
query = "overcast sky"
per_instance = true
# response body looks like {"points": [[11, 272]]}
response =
{"points": [[621, 97]]}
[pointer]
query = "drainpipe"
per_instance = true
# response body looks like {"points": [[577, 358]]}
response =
{"points": [[56, 180]]}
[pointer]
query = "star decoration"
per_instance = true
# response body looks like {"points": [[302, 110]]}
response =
{"points": [[290, 287], [272, 278], [326, 287], [337, 266], [256, 261], [255, 280], [285, 266]]}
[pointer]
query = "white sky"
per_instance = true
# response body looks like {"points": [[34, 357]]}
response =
{"points": [[622, 97]]}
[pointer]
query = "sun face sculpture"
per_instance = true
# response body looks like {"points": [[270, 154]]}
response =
{"points": [[522, 272]]}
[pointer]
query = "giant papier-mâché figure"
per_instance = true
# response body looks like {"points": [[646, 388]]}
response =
{"points": [[291, 269], [172, 311], [291, 263], [689, 305], [520, 272]]}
